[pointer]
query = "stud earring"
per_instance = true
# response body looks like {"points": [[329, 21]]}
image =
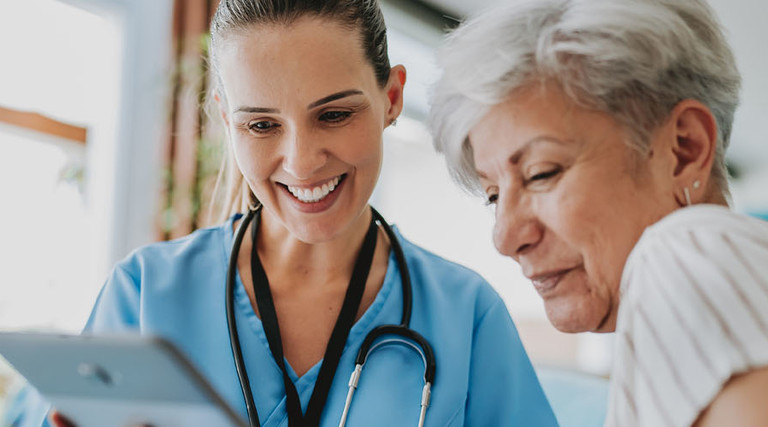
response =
{"points": [[393, 122]]}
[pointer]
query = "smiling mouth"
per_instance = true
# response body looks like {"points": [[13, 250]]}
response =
{"points": [[315, 194], [547, 282]]}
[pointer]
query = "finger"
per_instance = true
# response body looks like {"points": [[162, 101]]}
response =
{"points": [[60, 420]]}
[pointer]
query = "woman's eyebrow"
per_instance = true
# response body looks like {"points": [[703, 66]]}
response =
{"points": [[256, 110], [522, 151], [319, 102], [517, 155], [333, 97]]}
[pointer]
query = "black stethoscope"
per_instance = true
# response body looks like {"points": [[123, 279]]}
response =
{"points": [[397, 334]]}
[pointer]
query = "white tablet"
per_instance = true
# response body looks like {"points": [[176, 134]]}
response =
{"points": [[117, 380]]}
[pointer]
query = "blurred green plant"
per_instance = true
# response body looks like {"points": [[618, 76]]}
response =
{"points": [[209, 145]]}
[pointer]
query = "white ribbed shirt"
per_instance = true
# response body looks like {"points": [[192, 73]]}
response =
{"points": [[693, 313]]}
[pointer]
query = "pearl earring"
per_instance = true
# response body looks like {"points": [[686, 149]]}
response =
{"points": [[687, 193]]}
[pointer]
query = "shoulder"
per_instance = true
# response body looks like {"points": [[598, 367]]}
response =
{"points": [[201, 245], [707, 219], [444, 278], [160, 278], [707, 256], [706, 245], [694, 306]]}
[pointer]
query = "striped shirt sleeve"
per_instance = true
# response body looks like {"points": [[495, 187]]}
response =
{"points": [[694, 312]]}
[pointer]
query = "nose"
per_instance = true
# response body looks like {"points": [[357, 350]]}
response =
{"points": [[303, 155], [517, 230]]}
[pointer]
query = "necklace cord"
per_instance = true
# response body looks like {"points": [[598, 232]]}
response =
{"points": [[337, 341]]}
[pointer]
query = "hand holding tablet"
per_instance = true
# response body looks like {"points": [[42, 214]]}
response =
{"points": [[116, 381]]}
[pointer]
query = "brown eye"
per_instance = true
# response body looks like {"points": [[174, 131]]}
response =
{"points": [[262, 126], [335, 116]]}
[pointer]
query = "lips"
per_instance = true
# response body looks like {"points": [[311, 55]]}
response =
{"points": [[316, 198], [547, 282], [316, 193]]}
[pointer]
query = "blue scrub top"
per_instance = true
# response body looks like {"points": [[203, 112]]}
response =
{"points": [[484, 377]]}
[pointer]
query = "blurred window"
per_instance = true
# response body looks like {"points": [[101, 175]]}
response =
{"points": [[44, 228], [59, 65]]}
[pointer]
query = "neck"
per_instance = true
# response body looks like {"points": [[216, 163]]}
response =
{"points": [[284, 255]]}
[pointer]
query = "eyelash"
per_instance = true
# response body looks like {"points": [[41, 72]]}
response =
{"points": [[335, 116], [330, 117], [491, 199], [544, 175], [253, 126]]}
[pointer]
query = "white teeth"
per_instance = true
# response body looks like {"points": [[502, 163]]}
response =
{"points": [[316, 194]]}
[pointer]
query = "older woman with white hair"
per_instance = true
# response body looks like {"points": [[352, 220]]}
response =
{"points": [[598, 130]]}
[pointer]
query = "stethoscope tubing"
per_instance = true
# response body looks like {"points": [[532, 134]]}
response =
{"points": [[408, 336], [357, 373], [234, 339]]}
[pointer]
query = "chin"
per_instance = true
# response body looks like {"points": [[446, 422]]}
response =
{"points": [[568, 327], [566, 318]]}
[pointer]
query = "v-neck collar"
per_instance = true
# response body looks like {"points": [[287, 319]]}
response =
{"points": [[356, 334]]}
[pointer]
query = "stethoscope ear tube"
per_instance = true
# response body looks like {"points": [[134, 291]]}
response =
{"points": [[234, 339], [405, 275]]}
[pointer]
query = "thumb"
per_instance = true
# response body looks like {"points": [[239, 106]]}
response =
{"points": [[59, 420]]}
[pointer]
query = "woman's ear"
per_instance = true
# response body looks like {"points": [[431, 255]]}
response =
{"points": [[394, 92], [693, 148]]}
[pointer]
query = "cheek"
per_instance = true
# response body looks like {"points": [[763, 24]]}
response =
{"points": [[593, 220], [251, 157], [360, 146]]}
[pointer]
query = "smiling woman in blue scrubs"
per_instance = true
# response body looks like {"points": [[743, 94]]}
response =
{"points": [[305, 90]]}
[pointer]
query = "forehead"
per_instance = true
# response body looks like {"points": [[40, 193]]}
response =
{"points": [[529, 113], [305, 59], [535, 117]]}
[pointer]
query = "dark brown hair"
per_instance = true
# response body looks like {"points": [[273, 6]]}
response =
{"points": [[363, 15]]}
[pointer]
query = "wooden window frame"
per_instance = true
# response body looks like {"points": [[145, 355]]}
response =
{"points": [[43, 124]]}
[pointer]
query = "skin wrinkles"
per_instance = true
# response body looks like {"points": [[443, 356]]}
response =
{"points": [[559, 174]]}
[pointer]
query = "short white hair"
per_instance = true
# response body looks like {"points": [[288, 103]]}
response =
{"points": [[632, 59]]}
